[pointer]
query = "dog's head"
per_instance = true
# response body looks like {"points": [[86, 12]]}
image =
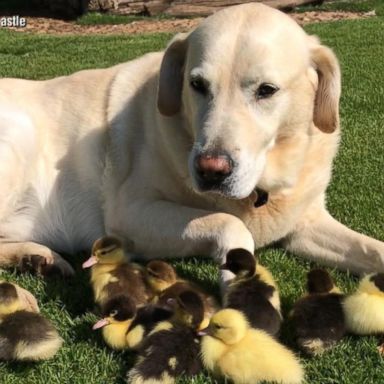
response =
{"points": [[250, 83]]}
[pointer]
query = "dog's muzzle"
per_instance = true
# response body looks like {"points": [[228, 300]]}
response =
{"points": [[212, 169]]}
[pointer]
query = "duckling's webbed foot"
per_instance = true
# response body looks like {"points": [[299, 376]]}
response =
{"points": [[315, 346]]}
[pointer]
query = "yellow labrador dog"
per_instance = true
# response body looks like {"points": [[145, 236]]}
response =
{"points": [[175, 151]]}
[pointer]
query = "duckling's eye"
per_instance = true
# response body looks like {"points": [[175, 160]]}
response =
{"points": [[103, 252], [114, 312], [217, 326], [266, 90]]}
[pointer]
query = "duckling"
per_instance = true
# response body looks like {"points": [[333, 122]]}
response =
{"points": [[28, 301], [24, 335], [124, 326], [252, 291], [364, 309], [318, 317], [245, 355], [172, 348], [144, 322], [168, 286], [160, 275], [118, 314], [112, 274]]}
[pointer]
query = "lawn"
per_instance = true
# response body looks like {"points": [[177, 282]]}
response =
{"points": [[355, 197]]}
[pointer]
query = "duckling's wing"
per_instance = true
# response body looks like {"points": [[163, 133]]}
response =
{"points": [[319, 317], [251, 297], [169, 354], [128, 280], [28, 336], [7, 348]]}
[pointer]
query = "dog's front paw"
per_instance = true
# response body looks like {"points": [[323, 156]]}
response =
{"points": [[34, 264], [45, 266]]}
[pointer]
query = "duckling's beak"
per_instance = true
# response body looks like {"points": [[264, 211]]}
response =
{"points": [[91, 261], [100, 324], [205, 331]]}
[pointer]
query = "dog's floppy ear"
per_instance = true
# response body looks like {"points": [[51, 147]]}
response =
{"points": [[171, 76], [326, 109]]}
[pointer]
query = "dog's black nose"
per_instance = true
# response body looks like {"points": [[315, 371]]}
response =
{"points": [[213, 167]]}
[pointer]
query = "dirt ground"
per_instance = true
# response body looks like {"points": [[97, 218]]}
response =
{"points": [[60, 27]]}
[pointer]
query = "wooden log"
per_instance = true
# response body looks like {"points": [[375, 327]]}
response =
{"points": [[182, 8], [205, 7]]}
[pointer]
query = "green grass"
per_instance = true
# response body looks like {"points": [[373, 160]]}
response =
{"points": [[347, 6], [355, 197]]}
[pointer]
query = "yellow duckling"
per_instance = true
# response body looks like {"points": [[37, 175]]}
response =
{"points": [[246, 355], [172, 348], [112, 274], [24, 335], [318, 317], [364, 309], [168, 286], [252, 291]]}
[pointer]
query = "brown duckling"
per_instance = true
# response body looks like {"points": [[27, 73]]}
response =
{"points": [[28, 301], [318, 317], [167, 285], [144, 322], [118, 314], [124, 326], [172, 348], [252, 291], [160, 275], [24, 335], [112, 274]]}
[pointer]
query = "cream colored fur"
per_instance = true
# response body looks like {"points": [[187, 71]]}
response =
{"points": [[39, 351], [112, 150], [364, 309]]}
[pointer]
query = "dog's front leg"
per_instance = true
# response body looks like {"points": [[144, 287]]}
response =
{"points": [[166, 229], [33, 257], [318, 236]]}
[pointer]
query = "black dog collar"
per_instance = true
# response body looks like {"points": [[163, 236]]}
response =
{"points": [[262, 198]]}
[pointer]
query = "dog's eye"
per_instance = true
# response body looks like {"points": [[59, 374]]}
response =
{"points": [[199, 85], [266, 90]]}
